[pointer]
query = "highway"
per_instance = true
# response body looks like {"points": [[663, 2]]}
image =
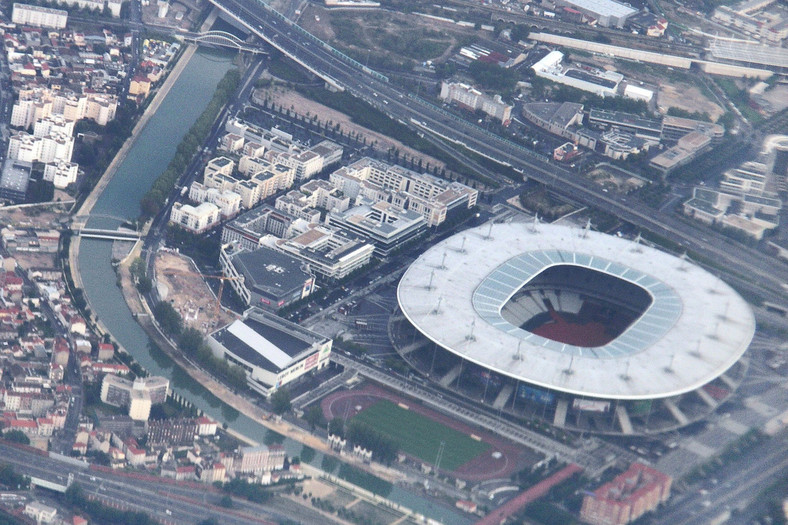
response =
{"points": [[764, 274], [740, 482], [186, 502]]}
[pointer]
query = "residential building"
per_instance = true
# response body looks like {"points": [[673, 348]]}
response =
{"points": [[33, 15], [138, 395], [228, 202], [630, 495], [473, 99], [61, 173], [260, 459], [195, 219]]}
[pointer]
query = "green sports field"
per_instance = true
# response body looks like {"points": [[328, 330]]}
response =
{"points": [[420, 436]]}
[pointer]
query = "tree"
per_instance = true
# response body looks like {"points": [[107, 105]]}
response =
{"points": [[226, 501], [314, 416], [16, 436], [520, 32], [190, 340], [280, 401], [168, 318], [336, 427]]}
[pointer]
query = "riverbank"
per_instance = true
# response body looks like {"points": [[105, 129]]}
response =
{"points": [[144, 316], [90, 201]]}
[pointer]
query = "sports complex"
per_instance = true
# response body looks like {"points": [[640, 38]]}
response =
{"points": [[587, 331]]}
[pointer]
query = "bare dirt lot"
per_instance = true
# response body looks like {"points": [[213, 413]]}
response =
{"points": [[303, 106], [189, 294], [614, 179], [687, 97]]}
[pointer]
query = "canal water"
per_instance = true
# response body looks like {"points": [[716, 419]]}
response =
{"points": [[152, 151]]}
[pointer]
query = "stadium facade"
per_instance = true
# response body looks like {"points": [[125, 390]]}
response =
{"points": [[587, 331]]}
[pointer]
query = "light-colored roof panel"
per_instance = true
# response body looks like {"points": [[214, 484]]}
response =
{"points": [[688, 304]]}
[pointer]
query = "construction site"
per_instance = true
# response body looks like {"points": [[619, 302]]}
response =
{"points": [[179, 281]]}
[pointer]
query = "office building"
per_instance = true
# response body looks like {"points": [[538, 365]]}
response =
{"points": [[387, 226], [265, 278]]}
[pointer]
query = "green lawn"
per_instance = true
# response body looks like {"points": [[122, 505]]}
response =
{"points": [[421, 436]]}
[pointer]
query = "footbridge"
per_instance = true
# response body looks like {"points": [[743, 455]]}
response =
{"points": [[223, 39], [108, 235]]}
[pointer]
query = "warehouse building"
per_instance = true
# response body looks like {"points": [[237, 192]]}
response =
{"points": [[607, 12], [272, 351]]}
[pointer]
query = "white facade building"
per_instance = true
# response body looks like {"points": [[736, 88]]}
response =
{"points": [[61, 174], [33, 15], [195, 219]]}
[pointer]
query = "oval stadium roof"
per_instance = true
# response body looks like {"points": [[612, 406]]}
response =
{"points": [[695, 328]]}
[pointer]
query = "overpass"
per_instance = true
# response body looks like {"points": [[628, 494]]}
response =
{"points": [[223, 39], [108, 235]]}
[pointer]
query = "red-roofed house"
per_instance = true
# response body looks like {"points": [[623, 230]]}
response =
{"points": [[105, 352], [206, 427]]}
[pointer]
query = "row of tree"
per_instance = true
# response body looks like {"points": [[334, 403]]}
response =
{"points": [[154, 200], [384, 448]]}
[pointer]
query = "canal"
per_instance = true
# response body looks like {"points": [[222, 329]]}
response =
{"points": [[151, 152]]}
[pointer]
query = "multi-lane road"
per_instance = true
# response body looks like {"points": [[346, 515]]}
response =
{"points": [[164, 500], [752, 269]]}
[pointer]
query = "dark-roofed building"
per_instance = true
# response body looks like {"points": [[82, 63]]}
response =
{"points": [[14, 180], [555, 117], [264, 277], [272, 351]]}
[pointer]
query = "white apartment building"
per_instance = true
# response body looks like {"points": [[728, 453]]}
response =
{"points": [[474, 99], [61, 174], [228, 202], [56, 147], [33, 15], [53, 124], [39, 103], [195, 219]]}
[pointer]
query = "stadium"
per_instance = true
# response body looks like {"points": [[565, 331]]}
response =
{"points": [[586, 331]]}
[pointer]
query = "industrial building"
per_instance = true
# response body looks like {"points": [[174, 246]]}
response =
{"points": [[607, 12], [586, 331], [272, 351], [265, 278]]}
